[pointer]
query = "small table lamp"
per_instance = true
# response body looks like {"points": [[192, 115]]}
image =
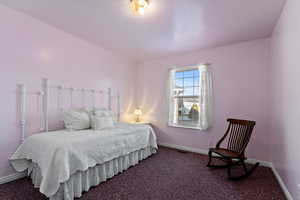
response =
{"points": [[138, 113]]}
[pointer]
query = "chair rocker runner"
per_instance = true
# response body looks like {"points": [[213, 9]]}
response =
{"points": [[238, 135]]}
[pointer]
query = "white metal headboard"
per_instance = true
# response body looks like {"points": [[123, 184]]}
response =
{"points": [[45, 93], [23, 93]]}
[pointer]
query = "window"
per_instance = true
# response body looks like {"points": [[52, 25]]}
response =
{"points": [[190, 97]]}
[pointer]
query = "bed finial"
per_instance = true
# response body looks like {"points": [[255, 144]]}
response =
{"points": [[45, 86]]}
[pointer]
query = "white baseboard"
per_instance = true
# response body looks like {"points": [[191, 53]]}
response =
{"points": [[261, 162], [205, 152], [281, 183], [12, 177], [184, 148], [250, 160]]}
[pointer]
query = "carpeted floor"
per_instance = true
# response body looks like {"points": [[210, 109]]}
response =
{"points": [[168, 175]]}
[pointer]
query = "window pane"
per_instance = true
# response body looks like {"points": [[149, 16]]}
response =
{"points": [[188, 73], [180, 109], [179, 75], [178, 92], [188, 82], [188, 91], [196, 73], [188, 114], [196, 81], [179, 83], [196, 91], [194, 113]]}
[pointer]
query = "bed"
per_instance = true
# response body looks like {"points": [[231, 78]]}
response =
{"points": [[65, 163]]}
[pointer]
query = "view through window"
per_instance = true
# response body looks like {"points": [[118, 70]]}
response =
{"points": [[186, 98]]}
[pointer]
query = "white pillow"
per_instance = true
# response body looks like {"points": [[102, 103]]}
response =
{"points": [[102, 112], [101, 122], [76, 119]]}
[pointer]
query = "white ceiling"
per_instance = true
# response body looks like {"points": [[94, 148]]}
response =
{"points": [[168, 27]]}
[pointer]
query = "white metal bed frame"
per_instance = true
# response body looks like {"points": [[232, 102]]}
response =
{"points": [[45, 93]]}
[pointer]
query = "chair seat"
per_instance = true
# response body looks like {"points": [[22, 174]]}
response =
{"points": [[225, 152]]}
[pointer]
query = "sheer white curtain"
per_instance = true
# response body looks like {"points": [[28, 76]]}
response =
{"points": [[171, 101], [205, 99]]}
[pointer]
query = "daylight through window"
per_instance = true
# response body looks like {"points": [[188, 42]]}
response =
{"points": [[185, 97]]}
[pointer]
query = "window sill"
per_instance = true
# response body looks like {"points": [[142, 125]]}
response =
{"points": [[185, 127]]}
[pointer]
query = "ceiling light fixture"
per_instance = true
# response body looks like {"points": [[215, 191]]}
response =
{"points": [[139, 7]]}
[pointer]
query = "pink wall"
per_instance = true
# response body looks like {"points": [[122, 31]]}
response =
{"points": [[244, 85], [31, 50], [240, 89], [285, 99]]}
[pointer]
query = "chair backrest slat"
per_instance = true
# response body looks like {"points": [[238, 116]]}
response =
{"points": [[239, 134], [231, 137]]}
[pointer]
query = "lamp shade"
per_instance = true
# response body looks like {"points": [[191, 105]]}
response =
{"points": [[138, 112]]}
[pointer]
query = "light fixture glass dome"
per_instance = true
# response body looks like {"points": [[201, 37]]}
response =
{"points": [[139, 7]]}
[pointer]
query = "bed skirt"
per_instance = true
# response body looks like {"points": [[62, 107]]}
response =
{"points": [[82, 181]]}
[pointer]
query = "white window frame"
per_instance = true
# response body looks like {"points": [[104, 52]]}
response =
{"points": [[170, 88]]}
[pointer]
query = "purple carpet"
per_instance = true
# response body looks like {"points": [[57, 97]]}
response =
{"points": [[168, 175]]}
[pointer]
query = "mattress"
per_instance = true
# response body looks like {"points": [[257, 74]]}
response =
{"points": [[60, 154]]}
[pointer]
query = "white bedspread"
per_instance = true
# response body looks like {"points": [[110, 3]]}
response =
{"points": [[60, 154]]}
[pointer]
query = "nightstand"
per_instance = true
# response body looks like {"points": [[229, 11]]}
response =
{"points": [[143, 123]]}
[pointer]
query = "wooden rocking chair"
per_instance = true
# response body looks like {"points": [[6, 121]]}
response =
{"points": [[239, 132]]}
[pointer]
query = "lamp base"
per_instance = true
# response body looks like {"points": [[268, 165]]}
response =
{"points": [[137, 120]]}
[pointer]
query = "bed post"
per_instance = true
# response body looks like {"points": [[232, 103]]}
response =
{"points": [[109, 99], [45, 86], [22, 110], [118, 107]]}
